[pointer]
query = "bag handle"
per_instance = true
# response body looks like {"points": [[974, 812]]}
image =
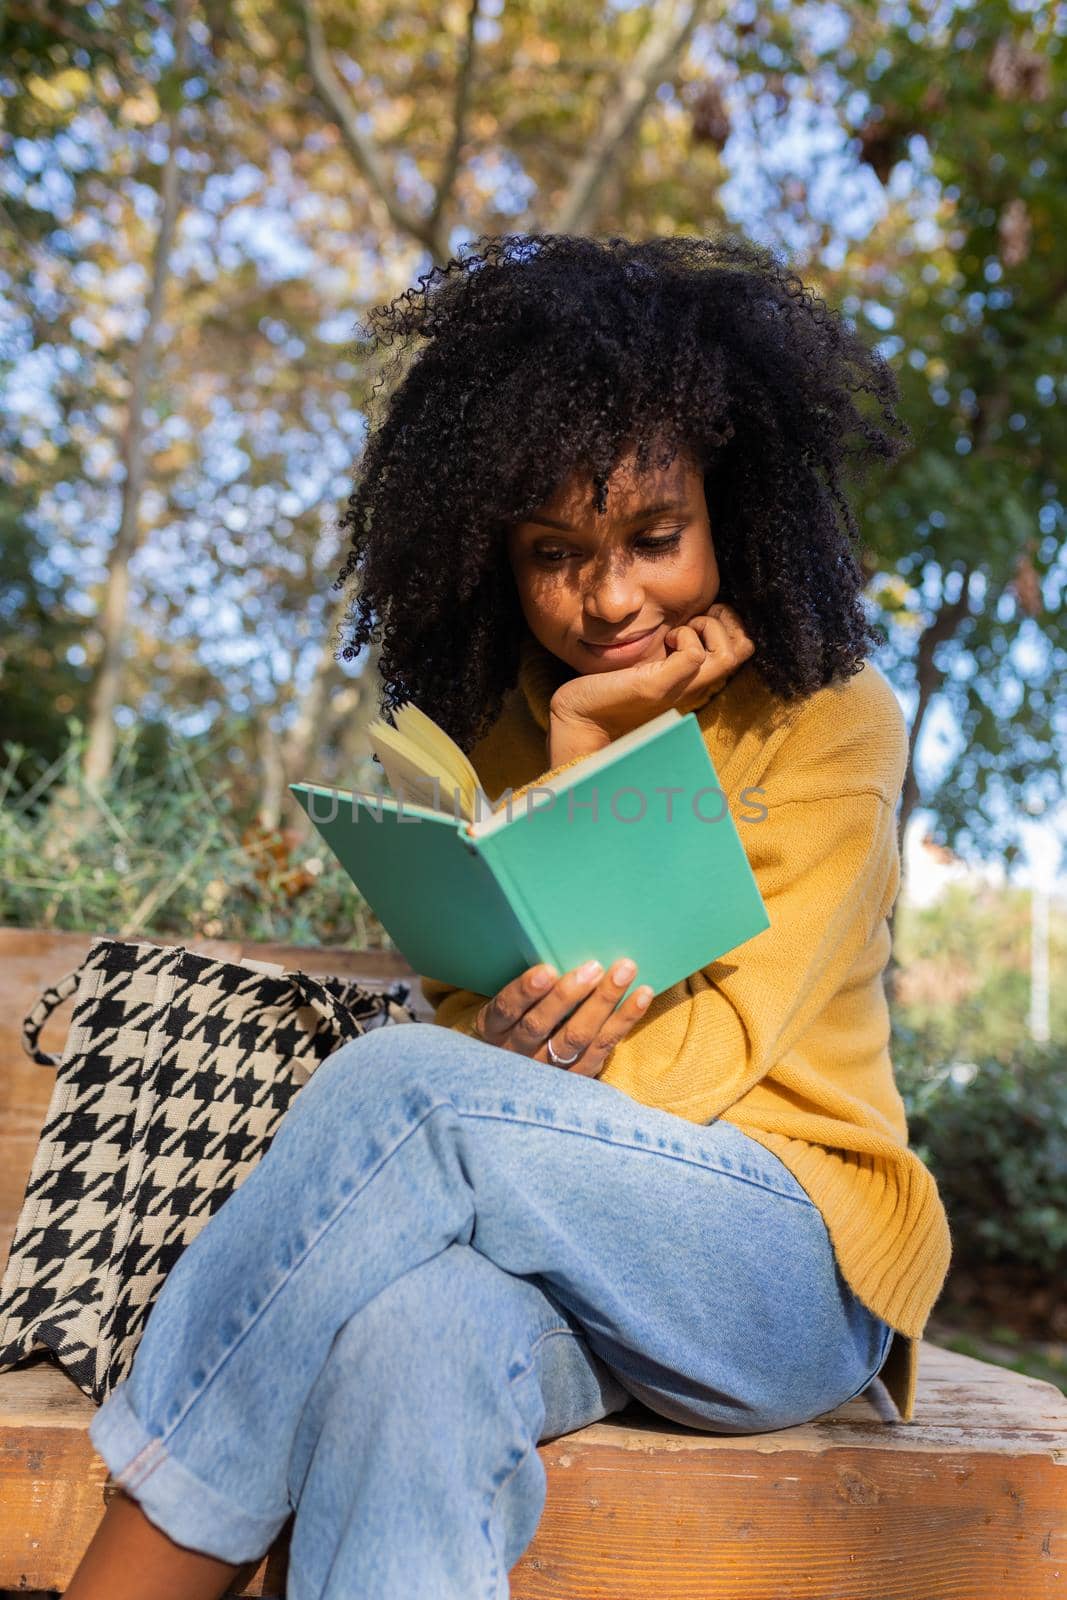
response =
{"points": [[354, 993], [314, 993], [49, 1000], [326, 1004]]}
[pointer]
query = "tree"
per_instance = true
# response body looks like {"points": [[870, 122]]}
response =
{"points": [[332, 153], [949, 110], [100, 745]]}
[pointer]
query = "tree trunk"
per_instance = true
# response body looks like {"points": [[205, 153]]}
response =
{"points": [[70, 810], [272, 771], [310, 726], [344, 729], [929, 678], [654, 61], [107, 686], [350, 712]]}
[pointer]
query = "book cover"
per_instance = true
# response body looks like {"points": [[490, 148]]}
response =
{"points": [[632, 852]]}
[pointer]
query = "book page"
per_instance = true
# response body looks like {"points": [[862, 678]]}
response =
{"points": [[416, 755]]}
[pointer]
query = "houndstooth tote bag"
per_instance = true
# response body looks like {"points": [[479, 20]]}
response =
{"points": [[177, 1070]]}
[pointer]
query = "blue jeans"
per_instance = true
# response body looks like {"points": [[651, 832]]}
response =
{"points": [[448, 1253]]}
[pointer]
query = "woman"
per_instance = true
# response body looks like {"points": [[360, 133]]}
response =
{"points": [[608, 484]]}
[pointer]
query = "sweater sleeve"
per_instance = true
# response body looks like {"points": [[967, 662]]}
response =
{"points": [[455, 1007], [828, 870]]}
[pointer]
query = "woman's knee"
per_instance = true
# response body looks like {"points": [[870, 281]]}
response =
{"points": [[415, 1040], [396, 1052]]}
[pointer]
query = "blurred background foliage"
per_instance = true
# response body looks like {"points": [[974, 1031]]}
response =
{"points": [[197, 201]]}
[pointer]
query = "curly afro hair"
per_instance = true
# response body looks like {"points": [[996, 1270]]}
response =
{"points": [[550, 353]]}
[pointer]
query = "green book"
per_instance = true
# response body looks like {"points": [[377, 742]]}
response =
{"points": [[600, 862]]}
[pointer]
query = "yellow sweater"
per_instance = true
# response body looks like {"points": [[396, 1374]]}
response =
{"points": [[787, 1037]]}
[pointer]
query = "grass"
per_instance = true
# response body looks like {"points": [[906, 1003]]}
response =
{"points": [[164, 850]]}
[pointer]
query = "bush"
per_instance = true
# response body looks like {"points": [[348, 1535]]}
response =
{"points": [[161, 851], [994, 1134]]}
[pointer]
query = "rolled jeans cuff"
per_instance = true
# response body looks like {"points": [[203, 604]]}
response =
{"points": [[174, 1499]]}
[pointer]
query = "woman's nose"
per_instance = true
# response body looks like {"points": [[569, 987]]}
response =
{"points": [[613, 595]]}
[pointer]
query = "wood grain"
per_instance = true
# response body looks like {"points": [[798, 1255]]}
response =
{"points": [[967, 1505]]}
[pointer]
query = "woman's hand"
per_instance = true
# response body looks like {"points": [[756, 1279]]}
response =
{"points": [[579, 1014], [588, 712]]}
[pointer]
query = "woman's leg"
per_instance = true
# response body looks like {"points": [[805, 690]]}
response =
{"points": [[691, 1260], [414, 1469], [129, 1558]]}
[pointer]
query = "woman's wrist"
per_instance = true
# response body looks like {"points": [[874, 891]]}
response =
{"points": [[570, 737]]}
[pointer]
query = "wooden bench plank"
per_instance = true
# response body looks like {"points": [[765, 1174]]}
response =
{"points": [[848, 1506]]}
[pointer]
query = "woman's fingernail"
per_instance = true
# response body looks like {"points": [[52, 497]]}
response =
{"points": [[642, 997], [591, 969], [623, 971], [542, 977]]}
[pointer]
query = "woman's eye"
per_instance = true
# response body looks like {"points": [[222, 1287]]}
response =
{"points": [[655, 547], [649, 547]]}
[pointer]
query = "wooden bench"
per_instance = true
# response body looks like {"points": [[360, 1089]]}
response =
{"points": [[967, 1503]]}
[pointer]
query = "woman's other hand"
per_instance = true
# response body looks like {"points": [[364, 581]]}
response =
{"points": [[589, 711], [579, 1012]]}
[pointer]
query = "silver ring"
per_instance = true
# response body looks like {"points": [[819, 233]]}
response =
{"points": [[560, 1061]]}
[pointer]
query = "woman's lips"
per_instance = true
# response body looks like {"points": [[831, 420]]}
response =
{"points": [[622, 652]]}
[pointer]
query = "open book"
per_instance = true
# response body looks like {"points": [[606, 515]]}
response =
{"points": [[632, 851]]}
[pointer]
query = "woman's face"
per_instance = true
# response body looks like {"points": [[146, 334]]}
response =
{"points": [[644, 565]]}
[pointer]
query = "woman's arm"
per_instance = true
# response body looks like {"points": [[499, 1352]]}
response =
{"points": [[827, 868], [589, 711], [827, 863]]}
